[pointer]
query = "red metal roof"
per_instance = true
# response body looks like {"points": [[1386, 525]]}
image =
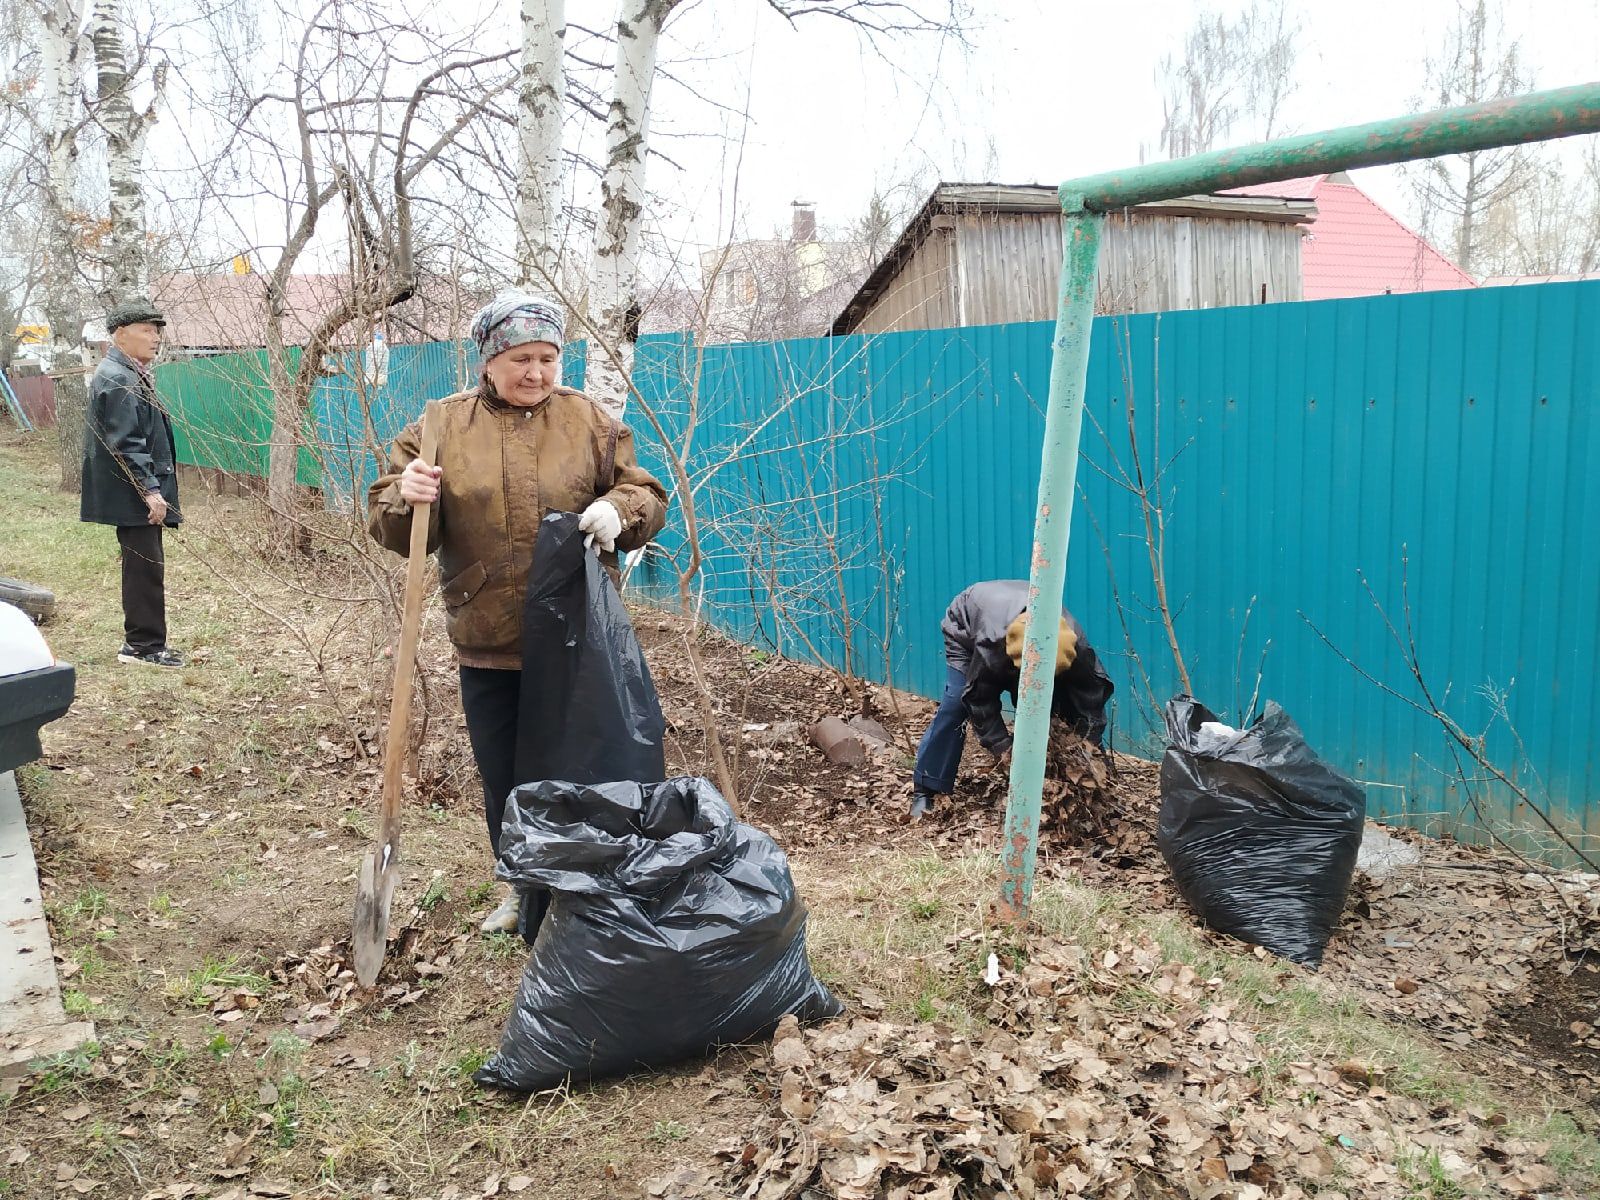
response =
{"points": [[229, 312], [1355, 247]]}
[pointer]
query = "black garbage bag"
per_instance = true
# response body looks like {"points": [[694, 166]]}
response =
{"points": [[1261, 834], [673, 928], [588, 712]]}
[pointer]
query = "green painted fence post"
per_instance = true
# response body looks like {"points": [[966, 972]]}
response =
{"points": [[1058, 479]]}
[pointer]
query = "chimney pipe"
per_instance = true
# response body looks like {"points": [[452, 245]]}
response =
{"points": [[804, 227]]}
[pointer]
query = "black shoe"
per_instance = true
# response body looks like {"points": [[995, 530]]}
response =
{"points": [[921, 805], [150, 658]]}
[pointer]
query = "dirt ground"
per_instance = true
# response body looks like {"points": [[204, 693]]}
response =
{"points": [[198, 834]]}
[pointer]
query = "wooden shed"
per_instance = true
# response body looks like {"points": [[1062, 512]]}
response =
{"points": [[983, 254]]}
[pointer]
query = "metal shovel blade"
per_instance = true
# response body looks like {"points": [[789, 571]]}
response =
{"points": [[374, 894]]}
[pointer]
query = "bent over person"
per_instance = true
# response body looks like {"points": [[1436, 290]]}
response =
{"points": [[983, 630], [510, 450], [130, 476]]}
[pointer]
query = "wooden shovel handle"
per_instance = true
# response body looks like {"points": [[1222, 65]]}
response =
{"points": [[405, 657]]}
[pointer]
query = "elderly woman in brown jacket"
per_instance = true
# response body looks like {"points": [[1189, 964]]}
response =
{"points": [[510, 450]]}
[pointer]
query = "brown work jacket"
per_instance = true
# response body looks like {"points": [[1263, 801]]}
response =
{"points": [[504, 468]]}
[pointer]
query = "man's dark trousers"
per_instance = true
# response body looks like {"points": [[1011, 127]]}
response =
{"points": [[144, 597]]}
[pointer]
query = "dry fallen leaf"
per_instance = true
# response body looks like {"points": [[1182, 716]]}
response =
{"points": [[794, 1100], [317, 1031], [791, 1052]]}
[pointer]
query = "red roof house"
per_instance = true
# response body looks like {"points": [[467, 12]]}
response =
{"points": [[1355, 247], [209, 314]]}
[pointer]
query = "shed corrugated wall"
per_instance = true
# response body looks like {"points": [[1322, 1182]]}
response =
{"points": [[923, 294], [1004, 267]]}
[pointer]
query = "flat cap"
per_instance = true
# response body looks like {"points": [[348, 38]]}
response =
{"points": [[133, 312]]}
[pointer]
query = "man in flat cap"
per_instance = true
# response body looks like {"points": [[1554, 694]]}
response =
{"points": [[130, 478]]}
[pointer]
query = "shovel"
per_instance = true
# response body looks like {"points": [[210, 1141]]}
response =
{"points": [[375, 889]]}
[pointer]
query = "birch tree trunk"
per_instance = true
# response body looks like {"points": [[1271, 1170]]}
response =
{"points": [[126, 264], [540, 102], [613, 306], [62, 63]]}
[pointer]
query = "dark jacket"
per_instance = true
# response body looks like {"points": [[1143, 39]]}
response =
{"points": [[127, 447], [975, 644], [504, 469]]}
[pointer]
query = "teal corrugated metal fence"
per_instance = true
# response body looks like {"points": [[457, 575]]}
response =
{"points": [[357, 412], [1339, 466], [1322, 468]]}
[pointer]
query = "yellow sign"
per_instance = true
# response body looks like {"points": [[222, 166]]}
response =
{"points": [[241, 264], [32, 335]]}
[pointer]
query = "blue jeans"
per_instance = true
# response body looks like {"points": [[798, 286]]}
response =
{"points": [[939, 752]]}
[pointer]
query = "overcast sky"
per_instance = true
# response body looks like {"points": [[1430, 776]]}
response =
{"points": [[1048, 90], [1043, 90]]}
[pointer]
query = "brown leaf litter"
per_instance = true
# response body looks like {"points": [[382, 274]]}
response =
{"points": [[1069, 1091]]}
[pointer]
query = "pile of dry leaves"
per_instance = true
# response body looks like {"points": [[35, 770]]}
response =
{"points": [[1071, 1091]]}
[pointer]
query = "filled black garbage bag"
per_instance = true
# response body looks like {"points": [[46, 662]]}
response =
{"points": [[673, 928], [1261, 834], [588, 711]]}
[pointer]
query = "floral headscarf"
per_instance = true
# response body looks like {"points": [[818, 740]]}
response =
{"points": [[515, 317]]}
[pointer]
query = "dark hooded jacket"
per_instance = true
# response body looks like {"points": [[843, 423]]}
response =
{"points": [[975, 644]]}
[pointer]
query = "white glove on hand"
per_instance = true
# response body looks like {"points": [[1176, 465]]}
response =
{"points": [[603, 521]]}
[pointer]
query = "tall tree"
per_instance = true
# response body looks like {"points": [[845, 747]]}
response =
{"points": [[613, 307], [613, 300], [371, 176], [1550, 225], [541, 100], [63, 55], [1232, 74], [126, 271], [1455, 195]]}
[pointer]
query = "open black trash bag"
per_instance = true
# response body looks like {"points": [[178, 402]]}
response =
{"points": [[1261, 834], [588, 711], [673, 928]]}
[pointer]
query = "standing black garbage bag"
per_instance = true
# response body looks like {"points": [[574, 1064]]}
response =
{"points": [[588, 712], [1261, 835], [673, 928]]}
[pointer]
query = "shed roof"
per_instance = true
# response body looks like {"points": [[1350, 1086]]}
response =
{"points": [[952, 198]]}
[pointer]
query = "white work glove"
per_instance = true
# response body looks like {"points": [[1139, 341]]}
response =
{"points": [[603, 521]]}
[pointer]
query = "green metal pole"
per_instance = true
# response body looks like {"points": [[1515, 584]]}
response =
{"points": [[1537, 117], [1541, 116], [1058, 478]]}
